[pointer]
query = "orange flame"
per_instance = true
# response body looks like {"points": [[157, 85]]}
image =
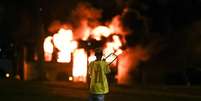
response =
{"points": [[79, 65], [100, 31], [118, 52], [113, 47], [63, 42], [48, 48], [83, 31]]}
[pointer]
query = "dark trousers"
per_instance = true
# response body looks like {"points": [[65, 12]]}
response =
{"points": [[96, 97]]}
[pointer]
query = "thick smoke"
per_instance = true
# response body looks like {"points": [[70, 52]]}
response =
{"points": [[141, 45], [84, 17]]}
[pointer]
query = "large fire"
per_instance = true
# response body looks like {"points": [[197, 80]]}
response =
{"points": [[66, 45], [65, 41], [48, 48]]}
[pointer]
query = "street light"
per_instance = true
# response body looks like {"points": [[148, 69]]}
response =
{"points": [[7, 75]]}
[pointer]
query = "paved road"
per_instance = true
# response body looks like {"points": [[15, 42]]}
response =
{"points": [[66, 91]]}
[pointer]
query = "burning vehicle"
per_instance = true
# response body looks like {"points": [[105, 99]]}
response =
{"points": [[82, 53], [69, 48], [55, 40]]}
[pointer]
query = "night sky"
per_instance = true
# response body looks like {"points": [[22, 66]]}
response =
{"points": [[166, 15]]}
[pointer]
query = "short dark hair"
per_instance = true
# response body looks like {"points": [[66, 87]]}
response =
{"points": [[98, 51]]}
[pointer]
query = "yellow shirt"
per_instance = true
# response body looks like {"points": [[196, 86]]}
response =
{"points": [[98, 71]]}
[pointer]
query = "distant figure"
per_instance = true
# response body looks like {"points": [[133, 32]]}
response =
{"points": [[97, 71]]}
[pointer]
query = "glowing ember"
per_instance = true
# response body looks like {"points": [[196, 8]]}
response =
{"points": [[79, 65], [48, 48]]}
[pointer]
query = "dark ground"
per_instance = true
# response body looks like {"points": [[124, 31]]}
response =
{"points": [[66, 91]]}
